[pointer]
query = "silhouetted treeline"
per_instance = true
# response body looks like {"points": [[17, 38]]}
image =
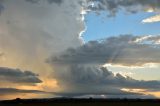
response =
{"points": [[68, 101]]}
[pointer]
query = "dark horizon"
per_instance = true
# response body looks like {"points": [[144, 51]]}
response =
{"points": [[81, 101]]}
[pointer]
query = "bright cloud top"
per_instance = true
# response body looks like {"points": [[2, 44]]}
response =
{"points": [[152, 19]]}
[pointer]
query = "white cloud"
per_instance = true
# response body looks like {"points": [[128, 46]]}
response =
{"points": [[152, 19]]}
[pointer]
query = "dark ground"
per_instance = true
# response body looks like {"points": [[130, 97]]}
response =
{"points": [[80, 102]]}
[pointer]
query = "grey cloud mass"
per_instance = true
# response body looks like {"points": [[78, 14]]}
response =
{"points": [[112, 6], [5, 91], [132, 6], [18, 76], [125, 50], [121, 94], [93, 77], [1, 6], [80, 70], [49, 1], [79, 80], [30, 33]]}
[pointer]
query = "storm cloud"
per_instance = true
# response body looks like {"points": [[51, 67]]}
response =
{"points": [[96, 79], [18, 76], [126, 50], [81, 69], [101, 76], [33, 30], [80, 80], [117, 94]]}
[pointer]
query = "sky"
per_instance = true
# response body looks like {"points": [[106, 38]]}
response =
{"points": [[101, 26], [79, 48]]}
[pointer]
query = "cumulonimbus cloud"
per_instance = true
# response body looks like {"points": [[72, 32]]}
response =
{"points": [[80, 80], [38, 29], [91, 76], [79, 69]]}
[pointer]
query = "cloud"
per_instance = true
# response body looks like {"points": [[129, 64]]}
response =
{"points": [[151, 40], [132, 6], [79, 70], [126, 50], [31, 32], [80, 80], [5, 91], [13, 93], [43, 30], [49, 1], [121, 94], [1, 6], [152, 19], [1, 54], [18, 76], [91, 76]]}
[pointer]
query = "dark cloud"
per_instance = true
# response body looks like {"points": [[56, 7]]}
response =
{"points": [[92, 77], [133, 96], [1, 6], [125, 50], [132, 6], [55, 1], [5, 91], [33, 1], [18, 76], [79, 70], [85, 80], [49, 1], [120, 94]]}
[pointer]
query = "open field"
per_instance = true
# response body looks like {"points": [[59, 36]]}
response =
{"points": [[81, 102]]}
